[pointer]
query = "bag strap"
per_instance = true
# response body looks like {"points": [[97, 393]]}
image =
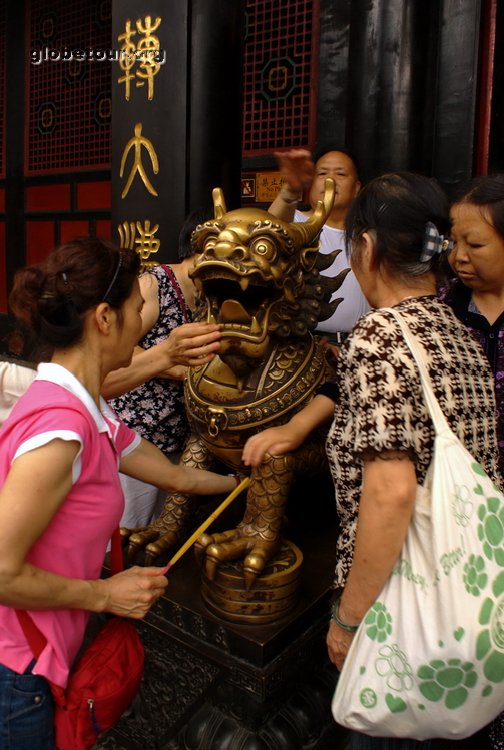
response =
{"points": [[438, 418], [178, 291], [116, 558], [35, 638]]}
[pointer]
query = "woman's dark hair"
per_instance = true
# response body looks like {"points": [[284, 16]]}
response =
{"points": [[50, 299], [487, 192], [397, 207], [198, 216]]}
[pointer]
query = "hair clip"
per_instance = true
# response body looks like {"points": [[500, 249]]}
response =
{"points": [[434, 243]]}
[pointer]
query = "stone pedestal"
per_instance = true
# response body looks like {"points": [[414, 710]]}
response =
{"points": [[216, 685]]}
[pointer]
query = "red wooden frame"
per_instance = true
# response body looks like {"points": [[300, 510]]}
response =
{"points": [[488, 38]]}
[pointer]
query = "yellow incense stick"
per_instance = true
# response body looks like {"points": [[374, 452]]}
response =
{"points": [[229, 499]]}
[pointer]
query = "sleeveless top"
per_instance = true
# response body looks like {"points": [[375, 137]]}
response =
{"points": [[156, 409]]}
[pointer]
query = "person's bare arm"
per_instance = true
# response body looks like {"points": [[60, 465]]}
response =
{"points": [[35, 487], [286, 438], [149, 464], [177, 372], [386, 506], [186, 345], [297, 168], [190, 344]]}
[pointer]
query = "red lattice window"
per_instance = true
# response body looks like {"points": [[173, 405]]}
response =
{"points": [[2, 88], [69, 105], [279, 68]]}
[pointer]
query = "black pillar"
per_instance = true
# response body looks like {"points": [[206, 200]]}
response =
{"points": [[176, 116], [333, 72], [215, 100], [412, 88], [386, 82], [457, 91]]}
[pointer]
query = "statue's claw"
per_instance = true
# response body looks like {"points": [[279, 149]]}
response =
{"points": [[205, 540], [222, 551], [211, 565], [254, 564], [156, 548], [138, 538], [165, 532], [125, 532], [148, 538]]}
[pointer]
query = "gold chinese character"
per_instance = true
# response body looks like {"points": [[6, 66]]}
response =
{"points": [[139, 236], [146, 52], [148, 47], [127, 58], [127, 234], [146, 243], [137, 142]]}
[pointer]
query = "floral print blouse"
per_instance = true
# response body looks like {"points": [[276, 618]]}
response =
{"points": [[381, 405], [156, 409]]}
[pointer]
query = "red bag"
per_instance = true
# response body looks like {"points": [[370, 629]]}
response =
{"points": [[102, 685], [102, 682]]}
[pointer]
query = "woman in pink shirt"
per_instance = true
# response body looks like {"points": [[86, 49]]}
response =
{"points": [[61, 450]]}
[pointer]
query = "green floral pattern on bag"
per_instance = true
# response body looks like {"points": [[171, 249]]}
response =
{"points": [[478, 469], [379, 623], [491, 529], [393, 665], [475, 577], [490, 642], [449, 681]]}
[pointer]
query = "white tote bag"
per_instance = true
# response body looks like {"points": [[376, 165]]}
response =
{"points": [[428, 658]]}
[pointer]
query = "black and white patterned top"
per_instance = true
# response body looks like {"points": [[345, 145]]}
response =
{"points": [[156, 408], [381, 405]]}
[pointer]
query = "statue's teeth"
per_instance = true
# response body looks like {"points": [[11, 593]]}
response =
{"points": [[254, 326], [244, 282]]}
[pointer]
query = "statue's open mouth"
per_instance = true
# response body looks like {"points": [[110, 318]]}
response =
{"points": [[240, 304]]}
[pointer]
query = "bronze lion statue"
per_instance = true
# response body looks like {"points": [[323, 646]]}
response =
{"points": [[259, 278]]}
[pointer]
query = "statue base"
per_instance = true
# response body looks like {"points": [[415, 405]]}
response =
{"points": [[211, 684], [273, 595]]}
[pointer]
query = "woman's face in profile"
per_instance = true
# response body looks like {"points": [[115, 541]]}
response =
{"points": [[478, 249], [130, 330]]}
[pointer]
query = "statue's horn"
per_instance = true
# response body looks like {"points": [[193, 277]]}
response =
{"points": [[219, 203], [306, 231]]}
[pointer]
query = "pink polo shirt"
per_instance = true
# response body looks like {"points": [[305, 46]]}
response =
{"points": [[57, 405]]}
